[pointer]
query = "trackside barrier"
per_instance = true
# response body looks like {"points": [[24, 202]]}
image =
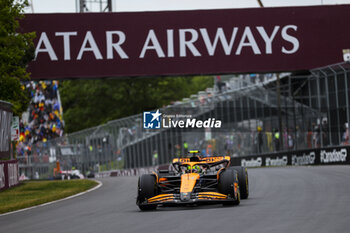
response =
{"points": [[319, 156], [8, 174], [133, 171]]}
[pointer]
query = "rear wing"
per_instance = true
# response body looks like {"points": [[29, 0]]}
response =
{"points": [[204, 160]]}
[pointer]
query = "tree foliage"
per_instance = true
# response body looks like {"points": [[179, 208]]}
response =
{"points": [[88, 103], [16, 51]]}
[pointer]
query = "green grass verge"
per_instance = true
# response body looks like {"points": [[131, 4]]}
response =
{"points": [[31, 193]]}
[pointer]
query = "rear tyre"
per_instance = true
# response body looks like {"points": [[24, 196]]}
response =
{"points": [[147, 188], [243, 181], [227, 180]]}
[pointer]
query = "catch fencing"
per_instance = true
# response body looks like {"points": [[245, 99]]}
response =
{"points": [[314, 112]]}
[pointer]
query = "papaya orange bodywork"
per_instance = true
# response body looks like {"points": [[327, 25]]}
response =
{"points": [[218, 173], [161, 197], [188, 181], [189, 171], [203, 160], [162, 179]]}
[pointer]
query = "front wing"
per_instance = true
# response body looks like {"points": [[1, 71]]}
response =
{"points": [[201, 197]]}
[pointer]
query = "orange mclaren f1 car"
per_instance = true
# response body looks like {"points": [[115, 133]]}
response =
{"points": [[194, 180]]}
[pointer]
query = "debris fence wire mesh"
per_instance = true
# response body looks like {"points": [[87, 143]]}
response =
{"points": [[314, 109]]}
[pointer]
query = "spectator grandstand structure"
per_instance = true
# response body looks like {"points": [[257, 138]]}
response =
{"points": [[42, 122]]}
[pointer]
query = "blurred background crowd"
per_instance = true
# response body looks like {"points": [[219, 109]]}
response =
{"points": [[43, 120]]}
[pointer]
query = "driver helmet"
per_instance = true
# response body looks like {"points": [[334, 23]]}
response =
{"points": [[196, 169]]}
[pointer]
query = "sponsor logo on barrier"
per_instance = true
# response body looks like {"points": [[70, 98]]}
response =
{"points": [[252, 162], [2, 176], [277, 161], [304, 159], [333, 156]]}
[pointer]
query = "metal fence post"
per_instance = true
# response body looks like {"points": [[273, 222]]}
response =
{"points": [[328, 108], [346, 96], [319, 104], [337, 101]]}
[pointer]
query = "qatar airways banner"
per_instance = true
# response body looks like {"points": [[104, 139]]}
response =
{"points": [[92, 45]]}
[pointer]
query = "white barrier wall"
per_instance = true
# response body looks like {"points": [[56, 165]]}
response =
{"points": [[12, 174]]}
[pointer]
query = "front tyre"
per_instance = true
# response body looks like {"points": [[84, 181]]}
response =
{"points": [[227, 180], [243, 181], [147, 188]]}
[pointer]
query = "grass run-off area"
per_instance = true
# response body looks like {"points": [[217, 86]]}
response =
{"points": [[31, 193]]}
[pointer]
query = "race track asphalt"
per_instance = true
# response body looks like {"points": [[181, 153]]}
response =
{"points": [[288, 199]]}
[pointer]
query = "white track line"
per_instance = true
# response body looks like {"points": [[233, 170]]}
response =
{"points": [[63, 199]]}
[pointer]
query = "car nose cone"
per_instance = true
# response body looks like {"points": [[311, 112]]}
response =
{"points": [[185, 196]]}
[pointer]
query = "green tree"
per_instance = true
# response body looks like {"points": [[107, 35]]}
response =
{"points": [[16, 51], [88, 103]]}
